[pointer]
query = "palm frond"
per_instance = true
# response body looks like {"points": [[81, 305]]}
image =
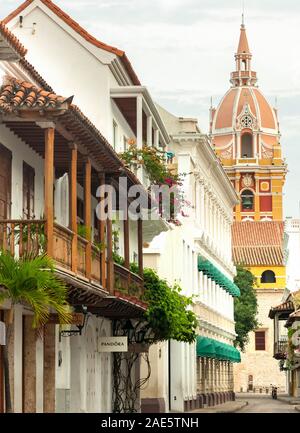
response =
{"points": [[31, 280]]}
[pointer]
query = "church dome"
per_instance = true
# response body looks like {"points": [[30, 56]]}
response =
{"points": [[243, 107]]}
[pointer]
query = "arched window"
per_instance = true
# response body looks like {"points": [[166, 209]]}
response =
{"points": [[268, 277], [247, 146], [247, 200]]}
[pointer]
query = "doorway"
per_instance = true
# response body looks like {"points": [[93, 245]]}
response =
{"points": [[250, 382]]}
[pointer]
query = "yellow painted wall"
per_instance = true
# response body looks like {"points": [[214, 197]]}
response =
{"points": [[280, 273]]}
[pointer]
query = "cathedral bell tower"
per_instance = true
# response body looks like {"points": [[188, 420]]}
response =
{"points": [[245, 135]]}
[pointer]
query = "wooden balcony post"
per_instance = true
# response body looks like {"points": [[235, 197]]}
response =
{"points": [[88, 216], [126, 238], [73, 205], [110, 260], [49, 179], [140, 246], [101, 227]]}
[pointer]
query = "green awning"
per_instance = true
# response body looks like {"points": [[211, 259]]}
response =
{"points": [[210, 348], [212, 272], [205, 347]]}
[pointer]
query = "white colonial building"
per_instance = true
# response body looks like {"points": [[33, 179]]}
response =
{"points": [[118, 111], [292, 230], [197, 256]]}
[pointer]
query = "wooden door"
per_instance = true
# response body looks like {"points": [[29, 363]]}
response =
{"points": [[5, 182], [28, 191], [250, 382]]}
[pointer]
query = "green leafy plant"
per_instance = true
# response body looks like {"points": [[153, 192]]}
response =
{"points": [[30, 280], [245, 307], [154, 162], [82, 231], [134, 267], [118, 259], [168, 314], [30, 237]]}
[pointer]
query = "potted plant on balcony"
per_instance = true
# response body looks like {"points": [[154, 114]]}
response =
{"points": [[31, 281]]}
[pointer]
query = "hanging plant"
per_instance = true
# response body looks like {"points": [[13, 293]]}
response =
{"points": [[168, 314], [158, 172]]}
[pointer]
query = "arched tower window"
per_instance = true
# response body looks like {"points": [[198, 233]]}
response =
{"points": [[247, 200], [247, 146], [268, 277]]}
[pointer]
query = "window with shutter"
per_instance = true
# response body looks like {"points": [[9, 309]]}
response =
{"points": [[260, 340]]}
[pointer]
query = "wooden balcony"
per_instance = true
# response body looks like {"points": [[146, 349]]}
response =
{"points": [[127, 284], [22, 237], [281, 348]]}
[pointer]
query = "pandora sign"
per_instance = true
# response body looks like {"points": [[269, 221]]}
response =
{"points": [[112, 344]]}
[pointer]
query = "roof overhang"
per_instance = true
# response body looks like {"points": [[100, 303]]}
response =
{"points": [[283, 310], [148, 106]]}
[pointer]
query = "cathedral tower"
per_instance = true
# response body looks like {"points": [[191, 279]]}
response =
{"points": [[245, 134]]}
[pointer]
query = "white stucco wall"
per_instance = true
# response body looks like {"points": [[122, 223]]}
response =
{"points": [[22, 152], [292, 229]]}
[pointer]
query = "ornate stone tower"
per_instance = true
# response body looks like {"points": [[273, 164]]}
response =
{"points": [[245, 134]]}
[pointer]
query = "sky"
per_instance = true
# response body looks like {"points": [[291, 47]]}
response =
{"points": [[183, 51]]}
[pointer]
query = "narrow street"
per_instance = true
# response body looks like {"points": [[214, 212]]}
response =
{"points": [[265, 404]]}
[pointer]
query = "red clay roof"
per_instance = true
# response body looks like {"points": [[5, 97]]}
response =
{"points": [[258, 243], [285, 306], [17, 94], [82, 32], [12, 41]]}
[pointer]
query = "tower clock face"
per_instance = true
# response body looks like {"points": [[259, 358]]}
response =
{"points": [[247, 121]]}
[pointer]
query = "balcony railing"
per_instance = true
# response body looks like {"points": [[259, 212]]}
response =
{"points": [[281, 348], [21, 237], [128, 284]]}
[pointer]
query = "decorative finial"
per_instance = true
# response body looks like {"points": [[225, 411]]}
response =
{"points": [[243, 15]]}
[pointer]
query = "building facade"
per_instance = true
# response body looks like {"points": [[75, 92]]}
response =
{"points": [[196, 254], [286, 340], [292, 230], [246, 136], [69, 374]]}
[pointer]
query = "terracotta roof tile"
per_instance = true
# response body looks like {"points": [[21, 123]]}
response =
{"points": [[258, 243], [286, 306], [17, 94], [80, 30], [12, 41]]}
